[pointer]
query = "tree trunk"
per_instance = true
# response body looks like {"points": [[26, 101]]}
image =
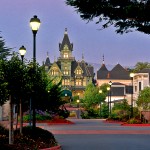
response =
{"points": [[17, 117], [11, 132], [21, 117]]}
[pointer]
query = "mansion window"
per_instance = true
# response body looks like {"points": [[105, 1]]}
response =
{"points": [[78, 71], [66, 72], [54, 72], [78, 82], [140, 86], [65, 55], [66, 82]]}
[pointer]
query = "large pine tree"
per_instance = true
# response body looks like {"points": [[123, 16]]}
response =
{"points": [[125, 15], [4, 51]]}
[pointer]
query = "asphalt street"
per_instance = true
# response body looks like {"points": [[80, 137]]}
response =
{"points": [[100, 135]]}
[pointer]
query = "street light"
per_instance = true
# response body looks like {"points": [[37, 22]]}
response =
{"points": [[100, 91], [78, 101], [22, 51], [110, 83], [108, 89], [34, 24], [131, 76]]}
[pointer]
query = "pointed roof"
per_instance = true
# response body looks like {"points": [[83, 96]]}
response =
{"points": [[103, 72], [47, 62], [118, 72], [88, 70], [65, 41]]}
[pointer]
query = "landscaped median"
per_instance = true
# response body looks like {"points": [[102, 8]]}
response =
{"points": [[53, 148], [128, 124], [138, 125]]}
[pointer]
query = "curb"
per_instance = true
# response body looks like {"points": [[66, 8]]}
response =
{"points": [[53, 148], [136, 125]]}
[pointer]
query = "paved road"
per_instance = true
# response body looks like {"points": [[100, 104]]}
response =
{"points": [[99, 135]]}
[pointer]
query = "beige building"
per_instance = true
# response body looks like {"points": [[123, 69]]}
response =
{"points": [[140, 80], [121, 87]]}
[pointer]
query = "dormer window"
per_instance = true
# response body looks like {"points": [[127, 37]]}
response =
{"points": [[79, 71], [65, 55]]}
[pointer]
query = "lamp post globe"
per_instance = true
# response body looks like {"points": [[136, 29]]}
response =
{"points": [[35, 24], [22, 51]]}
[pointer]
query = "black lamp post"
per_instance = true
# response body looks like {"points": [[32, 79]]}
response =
{"points": [[100, 91], [22, 51], [34, 24], [131, 76], [110, 83], [108, 89], [78, 101]]}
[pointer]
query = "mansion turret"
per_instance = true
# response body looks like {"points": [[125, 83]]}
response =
{"points": [[75, 75]]}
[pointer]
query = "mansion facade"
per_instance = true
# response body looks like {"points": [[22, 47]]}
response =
{"points": [[75, 75]]}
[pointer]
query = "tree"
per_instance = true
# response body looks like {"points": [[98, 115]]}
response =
{"points": [[3, 84], [12, 73], [141, 65], [91, 96], [4, 51], [143, 100], [123, 15]]}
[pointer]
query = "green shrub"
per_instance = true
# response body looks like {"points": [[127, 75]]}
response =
{"points": [[90, 113], [134, 121], [84, 115], [38, 117], [63, 113]]}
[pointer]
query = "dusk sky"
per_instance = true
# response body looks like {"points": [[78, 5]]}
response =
{"points": [[55, 16]]}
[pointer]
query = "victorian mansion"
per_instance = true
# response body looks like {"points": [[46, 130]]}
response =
{"points": [[75, 75]]}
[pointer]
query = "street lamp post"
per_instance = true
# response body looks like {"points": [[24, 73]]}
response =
{"points": [[78, 101], [110, 83], [100, 91], [22, 51], [34, 24], [131, 76], [108, 89]]}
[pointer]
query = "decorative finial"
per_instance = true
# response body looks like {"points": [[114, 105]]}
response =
{"points": [[47, 54], [54, 58], [103, 58], [82, 56], [65, 30]]}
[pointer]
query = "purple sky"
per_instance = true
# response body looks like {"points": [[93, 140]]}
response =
{"points": [[55, 16]]}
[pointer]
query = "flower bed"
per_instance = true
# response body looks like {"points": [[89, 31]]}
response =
{"points": [[58, 121]]}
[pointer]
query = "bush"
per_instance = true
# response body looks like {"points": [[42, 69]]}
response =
{"points": [[90, 113], [134, 121], [30, 139], [84, 115], [40, 116], [63, 113]]}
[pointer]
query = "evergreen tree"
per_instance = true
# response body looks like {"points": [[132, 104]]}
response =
{"points": [[124, 15], [4, 51]]}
